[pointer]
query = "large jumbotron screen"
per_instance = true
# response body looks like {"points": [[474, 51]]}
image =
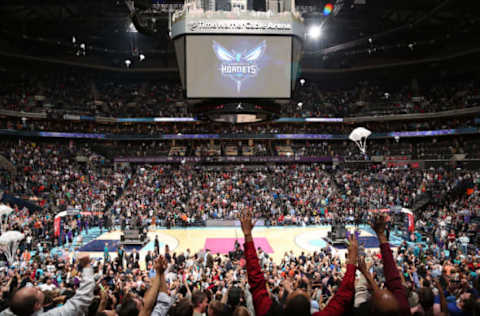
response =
{"points": [[226, 66]]}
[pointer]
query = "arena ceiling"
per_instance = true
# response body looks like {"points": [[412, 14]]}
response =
{"points": [[360, 32]]}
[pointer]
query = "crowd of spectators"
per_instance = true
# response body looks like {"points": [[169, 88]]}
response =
{"points": [[62, 175], [248, 282], [298, 194], [59, 177], [92, 93], [435, 272], [382, 98]]}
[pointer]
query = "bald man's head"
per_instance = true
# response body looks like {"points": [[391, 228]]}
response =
{"points": [[384, 303], [27, 301]]}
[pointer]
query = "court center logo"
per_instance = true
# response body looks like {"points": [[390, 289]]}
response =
{"points": [[239, 66]]}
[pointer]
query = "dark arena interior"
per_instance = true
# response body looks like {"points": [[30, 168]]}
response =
{"points": [[239, 157]]}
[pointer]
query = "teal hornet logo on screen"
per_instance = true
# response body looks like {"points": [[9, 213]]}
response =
{"points": [[239, 66]]}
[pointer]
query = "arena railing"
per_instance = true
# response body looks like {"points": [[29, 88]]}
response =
{"points": [[359, 119], [299, 136]]}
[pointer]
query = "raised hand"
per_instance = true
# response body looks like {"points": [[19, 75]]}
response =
{"points": [[127, 288], [103, 295], [287, 285], [362, 266], [247, 221], [352, 250], [160, 264], [379, 224]]}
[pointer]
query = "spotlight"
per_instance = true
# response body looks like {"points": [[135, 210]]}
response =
{"points": [[128, 62], [302, 82], [142, 57], [315, 32], [82, 46]]}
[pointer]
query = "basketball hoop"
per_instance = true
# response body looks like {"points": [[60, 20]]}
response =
{"points": [[359, 136]]}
